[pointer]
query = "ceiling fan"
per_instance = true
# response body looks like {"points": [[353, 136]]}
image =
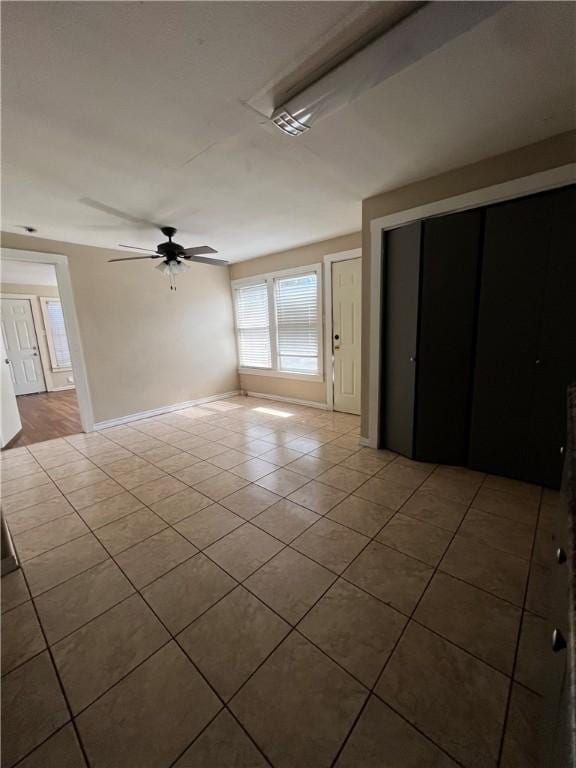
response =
{"points": [[173, 254]]}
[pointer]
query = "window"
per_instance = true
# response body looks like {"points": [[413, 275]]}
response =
{"points": [[56, 333], [279, 322]]}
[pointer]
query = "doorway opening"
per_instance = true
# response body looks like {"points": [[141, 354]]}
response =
{"points": [[36, 356], [343, 302]]}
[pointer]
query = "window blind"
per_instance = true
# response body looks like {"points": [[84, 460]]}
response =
{"points": [[58, 334], [253, 326], [297, 323]]}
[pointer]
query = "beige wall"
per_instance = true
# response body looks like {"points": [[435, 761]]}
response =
{"points": [[146, 346], [299, 389], [54, 379], [534, 158]]}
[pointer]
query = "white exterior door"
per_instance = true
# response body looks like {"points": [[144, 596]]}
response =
{"points": [[346, 324], [21, 346]]}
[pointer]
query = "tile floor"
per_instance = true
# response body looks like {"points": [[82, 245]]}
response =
{"points": [[241, 584]]}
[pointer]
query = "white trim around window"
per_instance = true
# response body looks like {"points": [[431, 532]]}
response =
{"points": [[259, 325], [57, 348]]}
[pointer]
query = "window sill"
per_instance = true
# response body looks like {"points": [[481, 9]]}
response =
{"points": [[311, 377]]}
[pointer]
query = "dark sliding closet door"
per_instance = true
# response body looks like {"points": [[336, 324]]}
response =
{"points": [[399, 336], [556, 344], [447, 327], [526, 338]]}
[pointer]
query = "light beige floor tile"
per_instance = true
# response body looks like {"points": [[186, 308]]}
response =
{"points": [[455, 489], [317, 497], [515, 487], [26, 483], [249, 501], [129, 530], [107, 511], [44, 537], [62, 750], [282, 481], [198, 472], [480, 623], [310, 466], [223, 743], [332, 545], [305, 444], [181, 595], [356, 630], [221, 485], [230, 640], [332, 453], [384, 492], [86, 497], [456, 700], [153, 557], [299, 705], [256, 447], [538, 597], [107, 457], [243, 550], [381, 732], [33, 708], [41, 513], [208, 451], [290, 584], [360, 515], [21, 636], [58, 459], [497, 532], [75, 602], [281, 456], [63, 562], [156, 490], [522, 738], [18, 502], [181, 460], [147, 720], [181, 505], [410, 477], [368, 461], [507, 505], [81, 480], [122, 467], [67, 470], [228, 459], [498, 572], [285, 520], [135, 477], [253, 469], [13, 590], [343, 478], [159, 453], [100, 653], [208, 525], [415, 538], [533, 650], [389, 575], [430, 507]]}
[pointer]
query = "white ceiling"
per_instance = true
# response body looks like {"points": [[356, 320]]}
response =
{"points": [[27, 273], [149, 108]]}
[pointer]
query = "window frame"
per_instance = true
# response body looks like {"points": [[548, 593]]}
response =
{"points": [[48, 331], [269, 277]]}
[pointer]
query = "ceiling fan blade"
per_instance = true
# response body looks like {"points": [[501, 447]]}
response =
{"points": [[118, 213], [204, 260], [136, 248], [199, 250], [133, 258]]}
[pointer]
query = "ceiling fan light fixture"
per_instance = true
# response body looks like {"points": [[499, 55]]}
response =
{"points": [[173, 267]]}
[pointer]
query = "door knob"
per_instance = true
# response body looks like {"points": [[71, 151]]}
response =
{"points": [[560, 556], [558, 641], [412, 359], [7, 361]]}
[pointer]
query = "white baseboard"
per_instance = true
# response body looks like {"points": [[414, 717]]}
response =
{"points": [[159, 411], [280, 399], [365, 441], [61, 389]]}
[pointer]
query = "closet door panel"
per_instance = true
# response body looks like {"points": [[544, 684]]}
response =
{"points": [[399, 329], [557, 344], [514, 267], [450, 256]]}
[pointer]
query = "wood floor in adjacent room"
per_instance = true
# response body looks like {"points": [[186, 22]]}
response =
{"points": [[48, 415]]}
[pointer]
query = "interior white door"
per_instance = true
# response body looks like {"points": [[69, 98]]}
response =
{"points": [[10, 423], [21, 345], [346, 330]]}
